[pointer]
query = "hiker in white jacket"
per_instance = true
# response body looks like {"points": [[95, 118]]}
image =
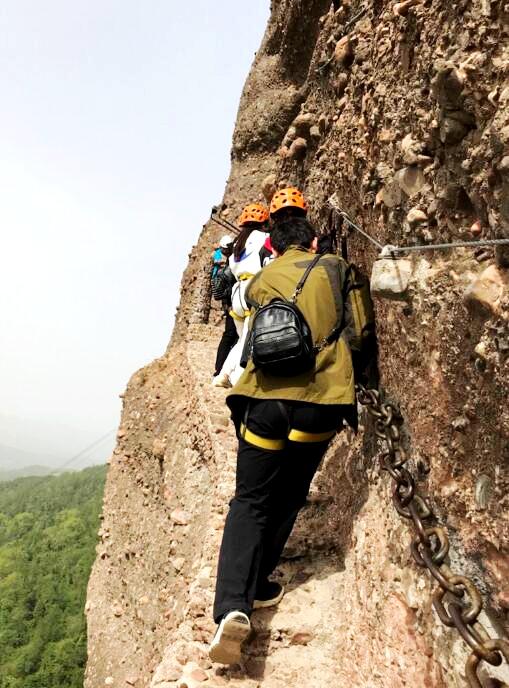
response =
{"points": [[249, 256]]}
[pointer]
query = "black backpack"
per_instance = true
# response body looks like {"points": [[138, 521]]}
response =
{"points": [[222, 281], [280, 342]]}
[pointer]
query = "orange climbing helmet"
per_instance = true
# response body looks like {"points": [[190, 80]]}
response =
{"points": [[254, 212], [288, 198]]}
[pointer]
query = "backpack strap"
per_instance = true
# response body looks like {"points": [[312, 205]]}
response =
{"points": [[303, 279], [250, 301], [334, 333], [336, 330], [331, 337], [254, 304]]}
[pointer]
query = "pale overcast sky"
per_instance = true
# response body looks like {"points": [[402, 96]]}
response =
{"points": [[115, 133]]}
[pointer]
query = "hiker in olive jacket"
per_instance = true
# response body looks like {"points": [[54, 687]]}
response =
{"points": [[284, 426]]}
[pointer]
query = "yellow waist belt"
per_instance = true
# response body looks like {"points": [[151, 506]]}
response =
{"points": [[293, 436], [245, 276], [239, 317]]}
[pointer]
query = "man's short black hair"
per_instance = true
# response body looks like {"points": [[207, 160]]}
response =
{"points": [[287, 212], [295, 231]]}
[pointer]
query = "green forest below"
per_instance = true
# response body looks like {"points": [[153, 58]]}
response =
{"points": [[48, 534]]}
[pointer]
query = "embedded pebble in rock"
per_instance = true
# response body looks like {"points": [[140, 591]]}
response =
{"points": [[410, 180], [180, 517], [460, 424], [298, 148], [158, 447], [452, 130], [487, 290], [413, 151], [290, 136], [302, 638], [390, 278], [402, 8], [303, 122], [483, 491], [269, 187], [411, 103], [315, 132], [198, 675], [117, 610], [344, 53], [323, 124], [390, 196], [416, 216], [476, 228], [178, 563], [340, 83], [504, 165]]}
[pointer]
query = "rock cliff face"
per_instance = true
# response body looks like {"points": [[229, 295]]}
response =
{"points": [[401, 110]]}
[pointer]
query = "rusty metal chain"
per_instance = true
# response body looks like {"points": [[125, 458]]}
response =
{"points": [[456, 599]]}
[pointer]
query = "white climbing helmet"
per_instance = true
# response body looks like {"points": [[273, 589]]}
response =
{"points": [[225, 241]]}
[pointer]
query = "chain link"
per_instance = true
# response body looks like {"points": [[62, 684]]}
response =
{"points": [[457, 599]]}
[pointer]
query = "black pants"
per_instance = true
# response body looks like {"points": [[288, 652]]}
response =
{"points": [[228, 341], [272, 486]]}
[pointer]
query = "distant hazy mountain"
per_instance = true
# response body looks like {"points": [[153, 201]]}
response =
{"points": [[25, 442], [29, 442], [16, 459], [24, 472]]}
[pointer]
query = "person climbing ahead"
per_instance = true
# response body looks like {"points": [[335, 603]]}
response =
{"points": [[221, 254], [222, 281], [249, 254], [286, 410], [287, 203]]}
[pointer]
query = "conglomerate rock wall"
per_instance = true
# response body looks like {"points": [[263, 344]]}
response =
{"points": [[402, 111]]}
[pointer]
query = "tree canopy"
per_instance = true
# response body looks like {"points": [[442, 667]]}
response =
{"points": [[48, 533]]}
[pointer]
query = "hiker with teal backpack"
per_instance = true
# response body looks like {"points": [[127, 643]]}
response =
{"points": [[222, 281], [308, 316]]}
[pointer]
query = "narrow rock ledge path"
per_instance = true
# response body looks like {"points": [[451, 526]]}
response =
{"points": [[293, 644]]}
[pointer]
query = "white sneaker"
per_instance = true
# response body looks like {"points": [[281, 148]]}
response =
{"points": [[221, 380], [231, 633]]}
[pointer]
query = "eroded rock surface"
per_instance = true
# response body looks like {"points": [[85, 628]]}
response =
{"points": [[402, 111]]}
